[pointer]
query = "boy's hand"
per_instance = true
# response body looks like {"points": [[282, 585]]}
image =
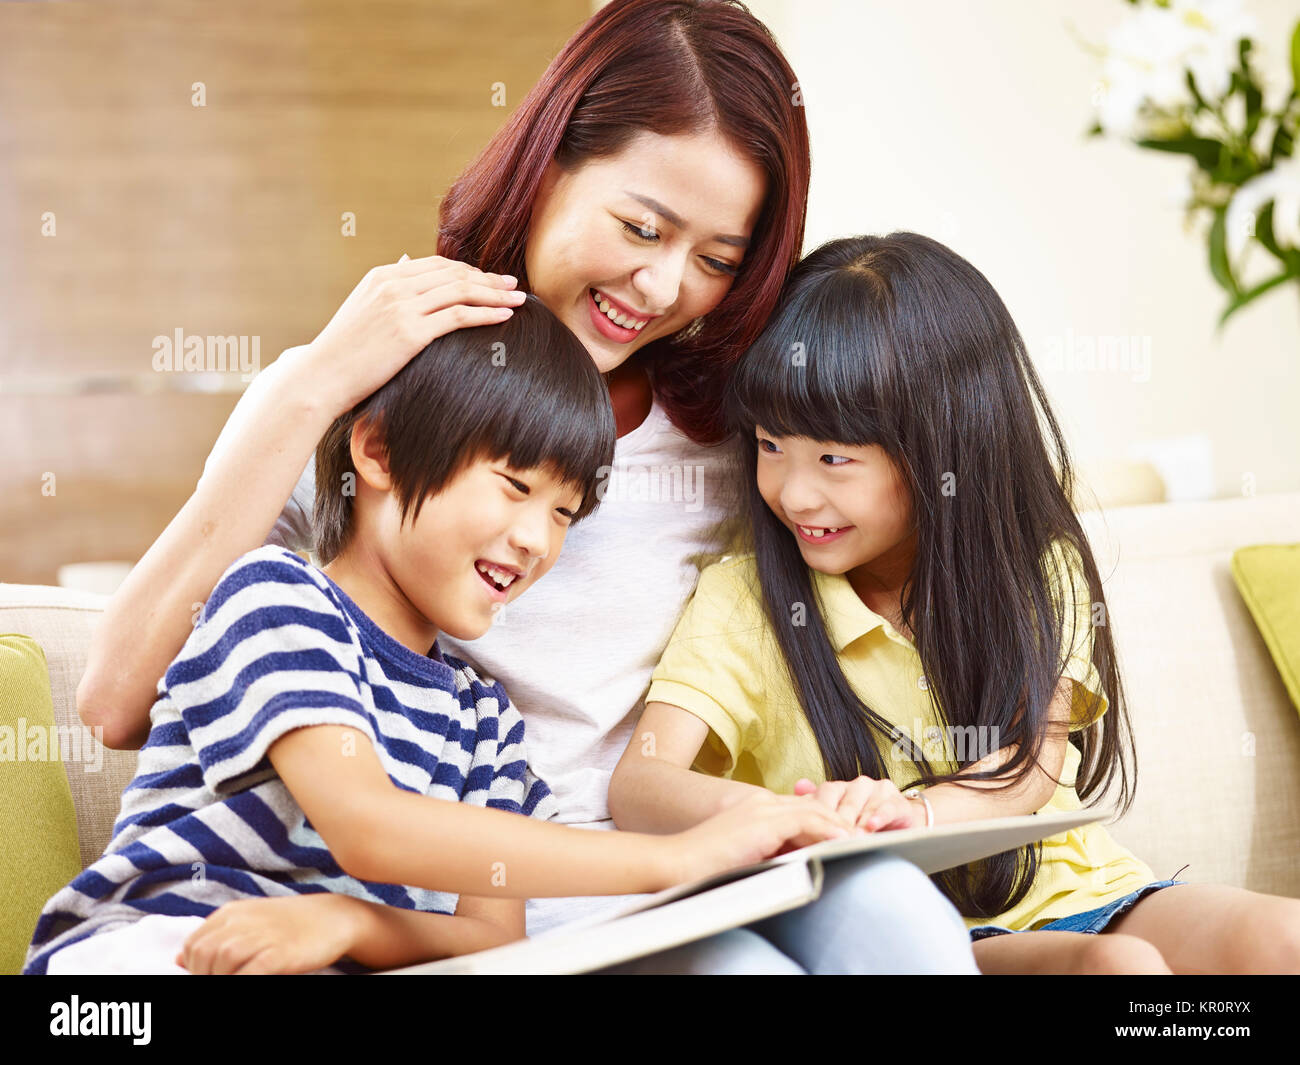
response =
{"points": [[755, 828], [870, 805], [279, 935]]}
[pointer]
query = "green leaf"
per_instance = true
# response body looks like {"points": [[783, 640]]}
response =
{"points": [[1295, 59], [1254, 97], [1201, 105], [1282, 147], [1264, 229], [1204, 150], [1233, 170], [1288, 257], [1219, 265], [1254, 293]]}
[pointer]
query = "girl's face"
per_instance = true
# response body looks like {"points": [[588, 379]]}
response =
{"points": [[653, 235], [814, 487]]}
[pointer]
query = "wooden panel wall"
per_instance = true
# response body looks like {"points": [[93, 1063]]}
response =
{"points": [[223, 219]]}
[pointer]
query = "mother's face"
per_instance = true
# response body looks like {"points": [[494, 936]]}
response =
{"points": [[658, 231]]}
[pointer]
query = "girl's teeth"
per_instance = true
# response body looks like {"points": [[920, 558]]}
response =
{"points": [[819, 533]]}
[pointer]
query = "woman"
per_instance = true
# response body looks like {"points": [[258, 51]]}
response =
{"points": [[651, 189]]}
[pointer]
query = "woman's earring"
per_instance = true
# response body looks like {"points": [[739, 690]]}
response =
{"points": [[691, 331]]}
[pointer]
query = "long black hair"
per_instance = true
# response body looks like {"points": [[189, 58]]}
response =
{"points": [[897, 341]]}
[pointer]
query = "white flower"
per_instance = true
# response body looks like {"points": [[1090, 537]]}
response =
{"points": [[1143, 64], [1280, 187], [1149, 53], [1214, 29]]}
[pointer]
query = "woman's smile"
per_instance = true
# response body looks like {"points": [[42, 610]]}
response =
{"points": [[622, 327]]}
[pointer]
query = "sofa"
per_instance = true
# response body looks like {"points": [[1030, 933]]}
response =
{"points": [[1217, 737]]}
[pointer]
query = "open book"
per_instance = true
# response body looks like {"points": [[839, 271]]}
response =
{"points": [[693, 911]]}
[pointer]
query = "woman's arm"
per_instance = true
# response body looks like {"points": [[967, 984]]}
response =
{"points": [[252, 470], [392, 314], [379, 832], [653, 788]]}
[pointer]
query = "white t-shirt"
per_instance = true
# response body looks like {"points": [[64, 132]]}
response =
{"points": [[576, 651]]}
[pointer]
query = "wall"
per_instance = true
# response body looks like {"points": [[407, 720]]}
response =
{"points": [[128, 212], [966, 122]]}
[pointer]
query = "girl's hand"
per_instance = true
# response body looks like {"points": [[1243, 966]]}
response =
{"points": [[757, 827], [391, 315], [870, 805], [279, 935]]}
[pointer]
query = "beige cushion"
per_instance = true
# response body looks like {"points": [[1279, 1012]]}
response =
{"points": [[61, 621], [1218, 743]]}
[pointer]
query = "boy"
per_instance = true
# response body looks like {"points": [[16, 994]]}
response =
{"points": [[306, 798]]}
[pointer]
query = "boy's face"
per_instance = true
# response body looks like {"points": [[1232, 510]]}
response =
{"points": [[491, 524], [485, 539]]}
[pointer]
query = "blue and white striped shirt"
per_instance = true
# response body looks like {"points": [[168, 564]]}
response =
{"points": [[207, 820]]}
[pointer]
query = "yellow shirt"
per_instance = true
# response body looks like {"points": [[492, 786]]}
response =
{"points": [[724, 665]]}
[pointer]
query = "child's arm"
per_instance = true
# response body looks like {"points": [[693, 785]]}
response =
{"points": [[877, 804], [303, 933], [379, 832], [385, 937], [653, 788]]}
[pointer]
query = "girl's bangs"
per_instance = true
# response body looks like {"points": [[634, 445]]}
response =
{"points": [[822, 370]]}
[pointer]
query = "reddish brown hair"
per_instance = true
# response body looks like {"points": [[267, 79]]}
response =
{"points": [[669, 67]]}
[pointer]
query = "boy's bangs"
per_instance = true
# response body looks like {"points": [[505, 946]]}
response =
{"points": [[564, 432]]}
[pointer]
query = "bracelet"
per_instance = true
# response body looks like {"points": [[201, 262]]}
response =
{"points": [[917, 793]]}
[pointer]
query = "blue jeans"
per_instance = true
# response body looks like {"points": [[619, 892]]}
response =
{"points": [[876, 914], [1091, 922]]}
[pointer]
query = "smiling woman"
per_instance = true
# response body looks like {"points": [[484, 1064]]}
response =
{"points": [[662, 160], [622, 268]]}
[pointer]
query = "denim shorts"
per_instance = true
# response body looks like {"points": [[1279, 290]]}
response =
{"points": [[1090, 922]]}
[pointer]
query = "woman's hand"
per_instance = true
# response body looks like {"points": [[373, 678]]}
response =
{"points": [[297, 934], [391, 315], [870, 805], [755, 828]]}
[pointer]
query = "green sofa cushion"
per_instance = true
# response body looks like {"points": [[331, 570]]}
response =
{"points": [[1268, 577]]}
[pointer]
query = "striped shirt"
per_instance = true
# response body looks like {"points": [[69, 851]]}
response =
{"points": [[207, 820]]}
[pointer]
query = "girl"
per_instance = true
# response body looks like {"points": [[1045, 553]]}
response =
{"points": [[651, 190], [920, 624]]}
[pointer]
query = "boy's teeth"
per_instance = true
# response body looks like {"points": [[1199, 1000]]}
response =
{"points": [[500, 576]]}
